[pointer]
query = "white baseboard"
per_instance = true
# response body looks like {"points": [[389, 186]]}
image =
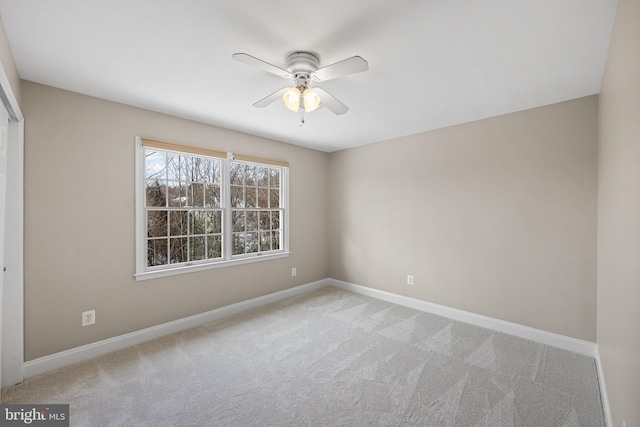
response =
{"points": [[585, 348], [78, 354], [603, 391]]}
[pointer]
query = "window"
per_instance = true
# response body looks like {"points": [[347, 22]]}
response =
{"points": [[182, 208], [255, 208], [199, 209]]}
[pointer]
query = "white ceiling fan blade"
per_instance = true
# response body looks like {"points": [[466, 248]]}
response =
{"points": [[330, 101], [259, 63], [352, 65], [269, 99]]}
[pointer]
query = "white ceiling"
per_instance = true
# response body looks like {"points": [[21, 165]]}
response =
{"points": [[432, 63]]}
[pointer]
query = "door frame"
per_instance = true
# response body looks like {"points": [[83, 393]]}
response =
{"points": [[12, 300]]}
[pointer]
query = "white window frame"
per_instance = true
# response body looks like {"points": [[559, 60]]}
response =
{"points": [[144, 273]]}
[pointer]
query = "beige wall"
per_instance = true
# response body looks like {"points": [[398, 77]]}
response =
{"points": [[496, 217], [79, 222], [619, 217], [6, 59]]}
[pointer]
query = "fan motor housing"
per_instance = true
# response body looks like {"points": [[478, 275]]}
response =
{"points": [[302, 62]]}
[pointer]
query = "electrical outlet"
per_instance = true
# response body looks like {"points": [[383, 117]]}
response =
{"points": [[294, 272], [410, 280], [88, 317]]}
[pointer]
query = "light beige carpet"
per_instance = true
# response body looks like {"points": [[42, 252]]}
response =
{"points": [[328, 358]]}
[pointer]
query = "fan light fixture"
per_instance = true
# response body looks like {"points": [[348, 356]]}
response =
{"points": [[293, 97], [303, 67], [311, 99]]}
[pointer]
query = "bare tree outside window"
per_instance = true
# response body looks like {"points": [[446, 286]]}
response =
{"points": [[184, 208], [199, 209], [255, 208]]}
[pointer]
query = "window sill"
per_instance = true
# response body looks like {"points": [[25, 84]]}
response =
{"points": [[201, 267]]}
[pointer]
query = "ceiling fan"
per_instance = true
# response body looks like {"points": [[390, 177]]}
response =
{"points": [[303, 68]]}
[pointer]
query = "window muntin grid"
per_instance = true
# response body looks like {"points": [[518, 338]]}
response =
{"points": [[190, 205], [183, 208], [256, 208]]}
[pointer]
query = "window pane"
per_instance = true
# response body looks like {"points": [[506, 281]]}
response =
{"points": [[178, 223], [250, 176], [265, 241], [252, 242], [237, 173], [217, 171], [156, 193], [201, 170], [265, 220], [214, 222], [274, 178], [214, 247], [252, 220], [237, 220], [237, 197], [157, 223], [156, 252], [177, 194], [263, 197], [176, 167], [275, 240], [194, 172], [250, 197], [178, 250], [274, 200], [197, 248], [212, 196], [238, 243], [262, 175], [196, 194], [197, 222], [275, 220], [156, 167]]}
